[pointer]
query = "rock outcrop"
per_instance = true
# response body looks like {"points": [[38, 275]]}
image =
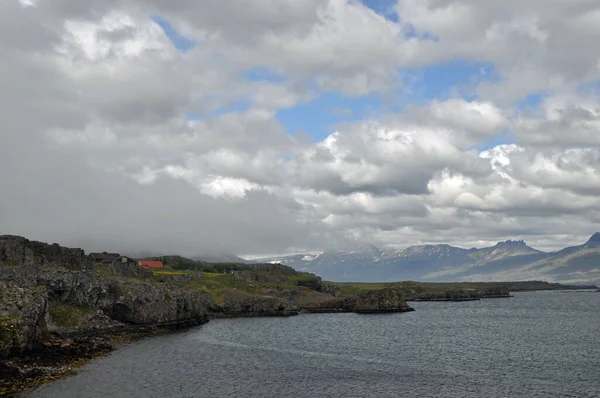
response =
{"points": [[145, 303], [22, 318], [260, 277], [461, 294], [371, 302], [318, 285], [237, 303], [380, 301], [127, 300], [35, 277], [18, 251]]}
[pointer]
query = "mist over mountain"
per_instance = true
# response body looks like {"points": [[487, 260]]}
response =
{"points": [[219, 258], [511, 260]]}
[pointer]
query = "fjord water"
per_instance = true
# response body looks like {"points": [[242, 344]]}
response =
{"points": [[538, 344]]}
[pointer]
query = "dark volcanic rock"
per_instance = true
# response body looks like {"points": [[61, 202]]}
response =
{"points": [[16, 250], [462, 295], [127, 296], [260, 277], [22, 318], [237, 303], [141, 302], [378, 301], [320, 286], [374, 301]]}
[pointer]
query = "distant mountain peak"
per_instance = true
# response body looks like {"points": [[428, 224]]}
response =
{"points": [[512, 243], [594, 240], [442, 262], [595, 237]]}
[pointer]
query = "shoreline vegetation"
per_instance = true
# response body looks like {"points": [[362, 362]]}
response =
{"points": [[60, 308]]}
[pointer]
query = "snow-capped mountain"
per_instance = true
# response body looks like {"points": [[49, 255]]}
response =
{"points": [[508, 260]]}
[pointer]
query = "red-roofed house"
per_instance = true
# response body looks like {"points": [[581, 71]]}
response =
{"points": [[150, 264]]}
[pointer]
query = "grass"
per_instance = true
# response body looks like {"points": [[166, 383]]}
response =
{"points": [[350, 288], [102, 270], [14, 264], [166, 272], [215, 284], [66, 316], [9, 330]]}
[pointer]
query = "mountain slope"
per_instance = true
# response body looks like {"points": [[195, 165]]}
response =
{"points": [[505, 261], [575, 264]]}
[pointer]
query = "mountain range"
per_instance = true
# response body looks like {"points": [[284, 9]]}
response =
{"points": [[506, 261]]}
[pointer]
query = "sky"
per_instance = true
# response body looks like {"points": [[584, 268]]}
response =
{"points": [[272, 127]]}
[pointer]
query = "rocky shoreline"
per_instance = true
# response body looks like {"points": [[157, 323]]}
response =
{"points": [[462, 295], [58, 309], [458, 298], [61, 355]]}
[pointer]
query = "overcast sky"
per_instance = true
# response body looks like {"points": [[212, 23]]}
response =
{"points": [[277, 126]]}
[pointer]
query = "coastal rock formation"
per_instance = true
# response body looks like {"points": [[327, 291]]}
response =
{"points": [[16, 250], [237, 303], [141, 302], [379, 301], [318, 285], [253, 276], [127, 300], [22, 318], [461, 294], [374, 301], [58, 306], [128, 294]]}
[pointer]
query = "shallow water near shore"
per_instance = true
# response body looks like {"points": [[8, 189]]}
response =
{"points": [[537, 344]]}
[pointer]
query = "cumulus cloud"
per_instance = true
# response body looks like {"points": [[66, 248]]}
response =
{"points": [[112, 138]]}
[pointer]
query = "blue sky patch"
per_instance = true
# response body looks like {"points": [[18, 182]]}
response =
{"points": [[592, 88], [319, 116], [384, 8], [180, 42], [262, 74], [410, 32], [505, 137], [530, 102], [448, 80]]}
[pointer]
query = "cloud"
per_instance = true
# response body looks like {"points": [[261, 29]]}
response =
{"points": [[534, 46], [112, 138], [563, 121]]}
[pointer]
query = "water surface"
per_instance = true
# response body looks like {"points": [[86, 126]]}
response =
{"points": [[538, 344]]}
